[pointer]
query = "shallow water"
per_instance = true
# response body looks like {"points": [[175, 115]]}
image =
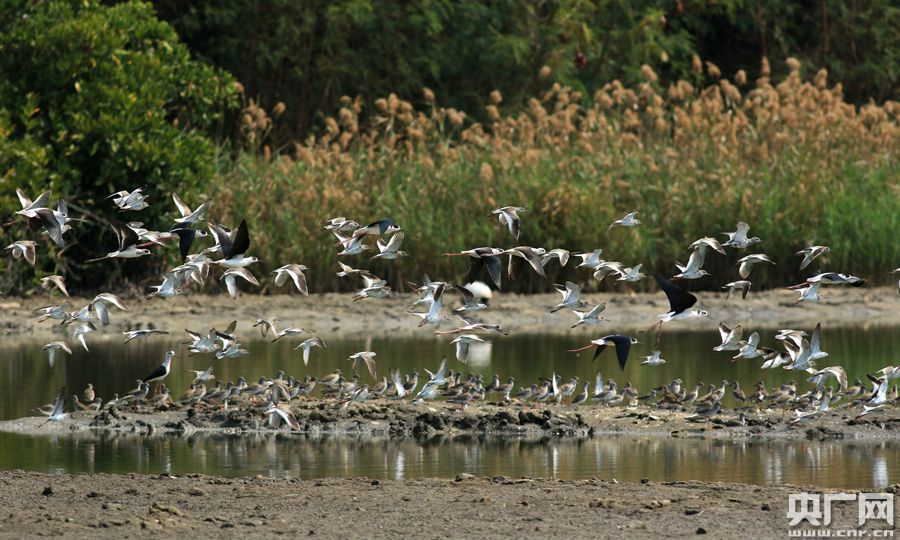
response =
{"points": [[827, 464], [26, 380]]}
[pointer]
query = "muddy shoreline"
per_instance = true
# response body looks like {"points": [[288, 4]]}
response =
{"points": [[387, 419], [336, 315], [124, 506]]}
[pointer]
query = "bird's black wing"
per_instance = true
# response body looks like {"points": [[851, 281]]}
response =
{"points": [[514, 268], [534, 261], [241, 240], [475, 266], [125, 234], [186, 236], [600, 349], [48, 220], [155, 374], [679, 299], [223, 238], [623, 347], [492, 262], [383, 224]]}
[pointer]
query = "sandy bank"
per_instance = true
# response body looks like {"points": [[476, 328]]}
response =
{"points": [[123, 506], [335, 315]]}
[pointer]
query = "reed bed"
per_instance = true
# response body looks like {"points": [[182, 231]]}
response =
{"points": [[790, 157]]}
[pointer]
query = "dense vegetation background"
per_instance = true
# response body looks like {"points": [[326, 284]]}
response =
{"points": [[697, 113]]}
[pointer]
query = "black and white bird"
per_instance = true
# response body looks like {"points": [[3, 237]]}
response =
{"points": [[233, 245], [128, 240], [162, 371], [481, 258], [680, 304], [622, 344], [376, 228]]}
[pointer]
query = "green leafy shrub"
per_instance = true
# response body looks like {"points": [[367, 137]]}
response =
{"points": [[98, 98]]}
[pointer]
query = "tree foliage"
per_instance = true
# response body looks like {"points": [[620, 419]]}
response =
{"points": [[307, 54], [98, 98]]}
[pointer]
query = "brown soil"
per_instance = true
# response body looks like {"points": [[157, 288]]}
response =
{"points": [[333, 315], [125, 506]]}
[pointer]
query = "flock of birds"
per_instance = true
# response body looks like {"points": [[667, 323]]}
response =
{"points": [[800, 351]]}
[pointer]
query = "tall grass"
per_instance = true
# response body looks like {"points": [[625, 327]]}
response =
{"points": [[791, 158]]}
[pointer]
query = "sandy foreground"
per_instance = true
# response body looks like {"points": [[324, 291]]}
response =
{"points": [[335, 315], [125, 506]]}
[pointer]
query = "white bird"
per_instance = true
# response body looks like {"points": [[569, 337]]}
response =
{"points": [[629, 220], [295, 272], [809, 292], [631, 274], [746, 263], [811, 253], [307, 345], [354, 245], [58, 412], [283, 412], [391, 249], [81, 330], [100, 305], [129, 200], [374, 288], [749, 348], [463, 343], [571, 294], [606, 268], [171, 285], [340, 224], [731, 337], [188, 215], [742, 285], [591, 260], [143, 333], [230, 276], [470, 303], [707, 242], [509, 216], [53, 347], [591, 317], [367, 357], [818, 376], [58, 281], [434, 311], [57, 312], [738, 239], [202, 375], [349, 271], [23, 249], [127, 247], [556, 253], [693, 268], [291, 331], [653, 360]]}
